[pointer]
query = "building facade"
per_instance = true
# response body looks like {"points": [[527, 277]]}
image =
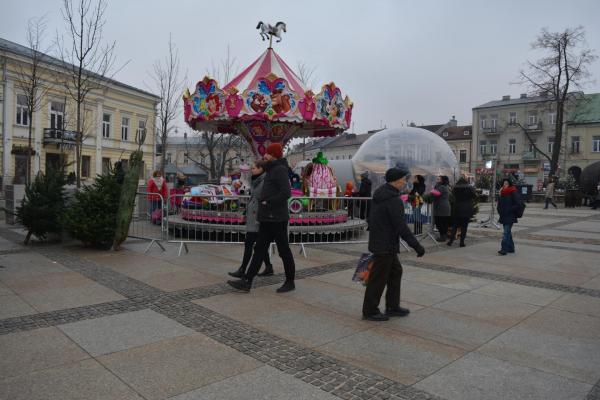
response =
{"points": [[582, 141], [112, 118], [458, 137]]}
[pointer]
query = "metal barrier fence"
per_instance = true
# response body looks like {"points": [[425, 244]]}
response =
{"points": [[214, 219]]}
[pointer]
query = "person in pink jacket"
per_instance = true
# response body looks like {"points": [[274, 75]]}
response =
{"points": [[157, 185]]}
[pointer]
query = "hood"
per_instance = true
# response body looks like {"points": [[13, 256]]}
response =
{"points": [[256, 180], [385, 192], [506, 191], [272, 164]]}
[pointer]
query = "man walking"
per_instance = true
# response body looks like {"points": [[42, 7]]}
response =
{"points": [[550, 193], [387, 226], [273, 216]]}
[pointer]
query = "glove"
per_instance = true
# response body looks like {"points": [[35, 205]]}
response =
{"points": [[420, 251]]}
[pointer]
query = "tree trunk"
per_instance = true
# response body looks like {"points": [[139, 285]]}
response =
{"points": [[29, 152], [127, 199]]}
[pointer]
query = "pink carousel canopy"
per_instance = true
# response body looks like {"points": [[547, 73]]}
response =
{"points": [[267, 103]]}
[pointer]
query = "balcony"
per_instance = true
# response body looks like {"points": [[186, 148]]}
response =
{"points": [[534, 128], [531, 156], [492, 130], [62, 138]]}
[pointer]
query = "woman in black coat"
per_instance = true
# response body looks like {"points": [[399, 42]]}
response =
{"points": [[463, 209]]}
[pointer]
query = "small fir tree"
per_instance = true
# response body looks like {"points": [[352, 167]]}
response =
{"points": [[43, 205]]}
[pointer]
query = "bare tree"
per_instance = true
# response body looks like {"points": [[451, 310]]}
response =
{"points": [[562, 69], [30, 83], [88, 62], [306, 74], [168, 80]]}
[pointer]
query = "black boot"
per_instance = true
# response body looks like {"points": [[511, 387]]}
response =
{"points": [[268, 271], [450, 242], [243, 284], [239, 273], [288, 286], [462, 243]]}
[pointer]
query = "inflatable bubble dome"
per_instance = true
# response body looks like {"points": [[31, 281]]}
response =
{"points": [[420, 150]]}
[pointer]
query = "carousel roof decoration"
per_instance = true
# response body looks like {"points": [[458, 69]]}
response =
{"points": [[267, 102]]}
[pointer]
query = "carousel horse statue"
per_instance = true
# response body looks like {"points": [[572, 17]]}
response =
{"points": [[268, 29]]}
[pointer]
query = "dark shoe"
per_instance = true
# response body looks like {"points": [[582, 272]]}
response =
{"points": [[450, 242], [267, 272], [243, 284], [502, 252], [239, 273], [397, 312], [288, 286], [376, 317], [462, 244]]}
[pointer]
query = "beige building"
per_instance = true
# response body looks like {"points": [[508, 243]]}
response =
{"points": [[458, 137], [113, 116], [583, 134]]}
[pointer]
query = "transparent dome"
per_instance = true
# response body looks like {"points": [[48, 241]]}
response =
{"points": [[422, 151]]}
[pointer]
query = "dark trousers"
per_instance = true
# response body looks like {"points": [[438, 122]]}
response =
{"points": [[549, 201], [249, 242], [386, 271], [268, 232], [507, 243], [463, 224], [442, 224]]}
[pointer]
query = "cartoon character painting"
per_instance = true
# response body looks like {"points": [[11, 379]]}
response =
{"points": [[258, 103]]}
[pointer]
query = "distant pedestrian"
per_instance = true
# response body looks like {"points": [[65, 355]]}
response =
{"points": [[596, 200], [364, 190], [441, 207], [252, 224], [387, 226], [273, 216], [417, 192], [508, 206], [550, 192], [463, 210]]}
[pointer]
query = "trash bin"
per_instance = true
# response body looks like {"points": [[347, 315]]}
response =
{"points": [[525, 191]]}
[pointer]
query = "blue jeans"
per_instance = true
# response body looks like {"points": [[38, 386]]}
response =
{"points": [[507, 241]]}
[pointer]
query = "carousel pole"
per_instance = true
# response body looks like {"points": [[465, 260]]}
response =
{"points": [[270, 40]]}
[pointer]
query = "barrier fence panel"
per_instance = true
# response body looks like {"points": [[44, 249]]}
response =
{"points": [[148, 219]]}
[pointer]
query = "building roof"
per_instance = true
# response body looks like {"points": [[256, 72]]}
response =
{"points": [[182, 140], [343, 140], [431, 128], [587, 110], [507, 101], [15, 48], [457, 132]]}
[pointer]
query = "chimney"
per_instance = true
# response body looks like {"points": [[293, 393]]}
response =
{"points": [[452, 121], [506, 97], [523, 95]]}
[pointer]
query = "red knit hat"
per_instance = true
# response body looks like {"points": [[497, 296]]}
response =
{"points": [[275, 150]]}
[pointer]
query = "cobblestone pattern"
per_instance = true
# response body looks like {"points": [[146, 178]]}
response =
{"points": [[337, 377], [53, 318]]}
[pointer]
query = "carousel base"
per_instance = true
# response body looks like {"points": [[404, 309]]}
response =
{"points": [[205, 231]]}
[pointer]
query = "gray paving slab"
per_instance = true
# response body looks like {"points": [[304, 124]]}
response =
{"points": [[175, 366], [265, 383], [578, 304], [12, 305], [395, 355], [447, 280], [84, 380], [69, 297], [123, 331], [25, 352], [27, 265], [492, 309], [447, 327], [570, 233], [555, 341], [4, 290], [425, 294], [520, 293], [478, 377]]}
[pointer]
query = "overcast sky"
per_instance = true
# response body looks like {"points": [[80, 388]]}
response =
{"points": [[399, 61]]}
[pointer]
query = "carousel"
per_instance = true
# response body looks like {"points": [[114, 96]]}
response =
{"points": [[268, 103]]}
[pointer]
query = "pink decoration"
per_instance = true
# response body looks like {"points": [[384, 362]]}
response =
{"points": [[404, 197], [307, 106], [234, 104], [435, 192]]}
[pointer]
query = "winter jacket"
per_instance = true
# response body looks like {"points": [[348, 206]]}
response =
{"points": [[273, 205], [252, 207], [464, 195], [418, 188], [365, 188], [441, 204], [153, 187], [387, 224], [550, 190], [508, 205]]}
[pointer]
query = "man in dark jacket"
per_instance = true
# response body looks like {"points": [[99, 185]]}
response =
{"points": [[387, 226], [273, 216]]}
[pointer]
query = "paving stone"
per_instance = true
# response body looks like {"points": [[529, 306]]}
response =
{"points": [[477, 377], [12, 305]]}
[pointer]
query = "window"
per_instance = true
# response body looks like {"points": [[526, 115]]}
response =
{"points": [[85, 166], [22, 111], [349, 156], [106, 125], [552, 118], [463, 156], [512, 118], [483, 122], [494, 121], [141, 128], [20, 169], [445, 134], [532, 118], [168, 158], [512, 146], [550, 144], [57, 115], [493, 146], [532, 147], [575, 144], [466, 133], [596, 144], [124, 128], [105, 165], [482, 147]]}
